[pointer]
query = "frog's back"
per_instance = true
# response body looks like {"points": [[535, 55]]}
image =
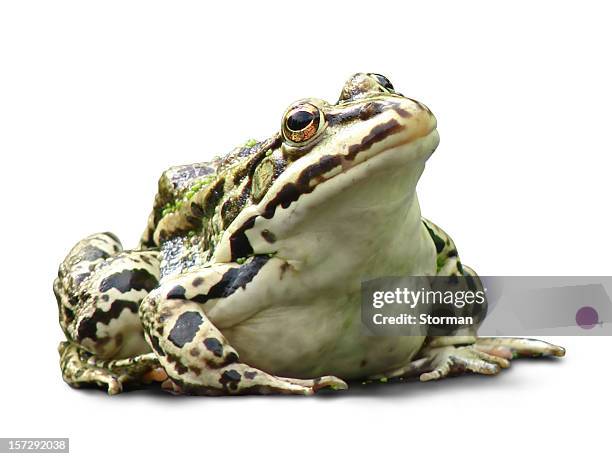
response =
{"points": [[174, 184], [195, 203]]}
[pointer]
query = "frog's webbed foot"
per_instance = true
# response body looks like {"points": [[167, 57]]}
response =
{"points": [[449, 360], [485, 356], [81, 367], [196, 356]]}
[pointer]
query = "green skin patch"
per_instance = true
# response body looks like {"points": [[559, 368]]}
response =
{"points": [[175, 206]]}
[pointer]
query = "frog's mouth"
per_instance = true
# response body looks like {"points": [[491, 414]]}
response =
{"points": [[388, 145]]}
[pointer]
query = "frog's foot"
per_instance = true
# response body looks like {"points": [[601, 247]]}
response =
{"points": [[485, 356], [450, 360], [81, 367], [511, 348]]}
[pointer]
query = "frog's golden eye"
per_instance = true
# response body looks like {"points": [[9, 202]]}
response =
{"points": [[302, 122]]}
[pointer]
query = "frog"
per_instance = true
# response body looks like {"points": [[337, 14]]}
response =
{"points": [[247, 277]]}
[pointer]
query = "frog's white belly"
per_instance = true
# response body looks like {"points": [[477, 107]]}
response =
{"points": [[306, 341], [291, 321]]}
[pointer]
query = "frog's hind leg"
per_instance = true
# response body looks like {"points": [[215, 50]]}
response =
{"points": [[99, 289], [460, 350], [194, 353], [451, 275], [80, 367]]}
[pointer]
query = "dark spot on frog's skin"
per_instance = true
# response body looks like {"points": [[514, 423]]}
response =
{"points": [[195, 370], [91, 253], [291, 192], [88, 326], [212, 198], [283, 268], [112, 236], [383, 81], [68, 314], [197, 281], [180, 368], [194, 351], [147, 260], [116, 248], [452, 253], [377, 134], [363, 112], [268, 236], [214, 346], [129, 279], [401, 112], [229, 210], [193, 221], [185, 328], [197, 210], [233, 279], [239, 242], [459, 267], [230, 378], [250, 374], [437, 240], [104, 298], [81, 277], [176, 293], [230, 357]]}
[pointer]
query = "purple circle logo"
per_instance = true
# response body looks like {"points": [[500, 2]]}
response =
{"points": [[587, 317]]}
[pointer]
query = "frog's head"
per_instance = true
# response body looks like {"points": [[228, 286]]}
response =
{"points": [[333, 162]]}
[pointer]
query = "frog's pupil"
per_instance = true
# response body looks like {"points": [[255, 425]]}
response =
{"points": [[299, 120]]}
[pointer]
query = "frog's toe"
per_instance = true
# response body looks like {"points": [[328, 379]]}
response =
{"points": [[452, 360], [518, 347]]}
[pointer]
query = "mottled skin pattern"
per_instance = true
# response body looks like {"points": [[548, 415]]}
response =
{"points": [[247, 276]]}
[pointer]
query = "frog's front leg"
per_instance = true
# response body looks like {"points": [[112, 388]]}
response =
{"points": [[194, 353]]}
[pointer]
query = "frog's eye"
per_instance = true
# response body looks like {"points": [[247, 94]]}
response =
{"points": [[383, 81], [302, 122]]}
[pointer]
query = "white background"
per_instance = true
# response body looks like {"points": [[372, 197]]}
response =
{"points": [[97, 98]]}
